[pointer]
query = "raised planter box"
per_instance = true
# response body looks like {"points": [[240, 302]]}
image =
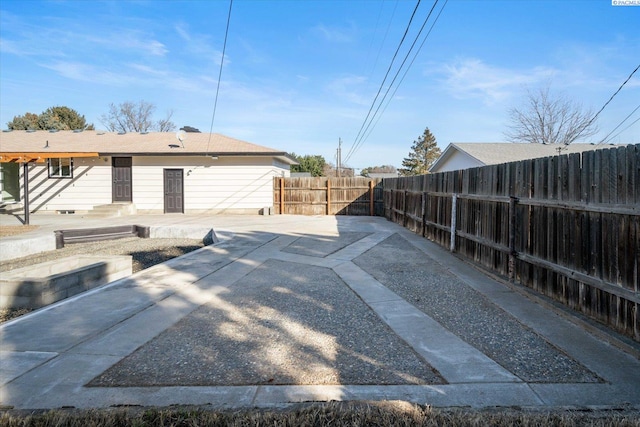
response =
{"points": [[82, 235], [48, 282]]}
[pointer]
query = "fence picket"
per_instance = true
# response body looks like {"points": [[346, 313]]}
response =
{"points": [[573, 233], [577, 225]]}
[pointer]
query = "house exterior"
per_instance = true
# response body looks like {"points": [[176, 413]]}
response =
{"points": [[73, 171], [460, 155]]}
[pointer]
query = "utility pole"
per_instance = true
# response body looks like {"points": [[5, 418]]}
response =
{"points": [[339, 157]]}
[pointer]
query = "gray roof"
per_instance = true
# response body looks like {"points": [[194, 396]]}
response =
{"points": [[152, 143], [494, 153]]}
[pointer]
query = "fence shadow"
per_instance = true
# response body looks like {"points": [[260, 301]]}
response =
{"points": [[567, 226]]}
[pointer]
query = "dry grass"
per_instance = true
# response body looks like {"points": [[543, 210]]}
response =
{"points": [[14, 230], [316, 414]]}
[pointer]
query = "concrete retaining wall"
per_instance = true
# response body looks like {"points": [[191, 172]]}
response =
{"points": [[207, 234], [19, 247], [45, 283]]}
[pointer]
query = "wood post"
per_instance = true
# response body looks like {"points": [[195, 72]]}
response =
{"points": [[371, 201], [328, 196], [281, 196], [25, 176], [454, 215], [512, 238], [404, 208], [424, 213]]}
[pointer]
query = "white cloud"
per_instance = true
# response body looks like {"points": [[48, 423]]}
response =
{"points": [[349, 88], [472, 78], [87, 73], [126, 42], [334, 34], [182, 32]]}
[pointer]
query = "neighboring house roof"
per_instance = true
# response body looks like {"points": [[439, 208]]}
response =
{"points": [[133, 144], [464, 155], [382, 175]]}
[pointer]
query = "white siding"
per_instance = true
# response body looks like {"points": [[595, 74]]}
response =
{"points": [[90, 186], [458, 161], [226, 184]]}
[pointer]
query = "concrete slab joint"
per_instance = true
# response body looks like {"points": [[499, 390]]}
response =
{"points": [[289, 309]]}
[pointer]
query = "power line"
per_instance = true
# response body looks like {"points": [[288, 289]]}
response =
{"points": [[384, 39], [613, 96], [361, 135], [605, 140], [224, 49], [406, 70], [630, 124], [387, 74]]}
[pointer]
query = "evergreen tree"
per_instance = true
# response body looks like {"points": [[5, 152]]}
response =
{"points": [[314, 164], [60, 118], [423, 153]]}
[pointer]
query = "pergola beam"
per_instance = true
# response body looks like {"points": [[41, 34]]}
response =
{"points": [[39, 157], [35, 157]]}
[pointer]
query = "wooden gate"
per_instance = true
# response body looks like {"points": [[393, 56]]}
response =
{"points": [[328, 196]]}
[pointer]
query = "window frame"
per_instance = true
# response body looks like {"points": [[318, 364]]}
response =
{"points": [[60, 168]]}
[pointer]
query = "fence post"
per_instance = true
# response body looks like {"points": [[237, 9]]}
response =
{"points": [[328, 196], [512, 238], [281, 196], [371, 202], [404, 209], [424, 213], [454, 214]]}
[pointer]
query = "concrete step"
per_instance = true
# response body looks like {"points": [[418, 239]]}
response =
{"points": [[112, 210], [11, 207]]}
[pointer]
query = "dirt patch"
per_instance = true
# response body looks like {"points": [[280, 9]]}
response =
{"points": [[14, 230], [145, 253]]}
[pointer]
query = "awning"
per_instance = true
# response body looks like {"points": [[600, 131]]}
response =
{"points": [[40, 157]]}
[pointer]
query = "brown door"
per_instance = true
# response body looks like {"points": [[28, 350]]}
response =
{"points": [[173, 191], [122, 179]]}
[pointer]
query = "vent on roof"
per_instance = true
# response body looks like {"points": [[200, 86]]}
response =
{"points": [[77, 130], [190, 129], [144, 133], [121, 133], [174, 146]]}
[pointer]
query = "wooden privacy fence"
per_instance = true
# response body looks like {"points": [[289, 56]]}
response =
{"points": [[567, 226], [328, 196]]}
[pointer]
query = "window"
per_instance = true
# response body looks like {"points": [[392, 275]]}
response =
{"points": [[61, 168]]}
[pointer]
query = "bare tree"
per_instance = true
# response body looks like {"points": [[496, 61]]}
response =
{"points": [[135, 117], [547, 119]]}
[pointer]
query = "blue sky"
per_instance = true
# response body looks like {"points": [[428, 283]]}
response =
{"points": [[299, 75]]}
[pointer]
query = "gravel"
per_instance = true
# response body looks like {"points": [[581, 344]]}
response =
{"points": [[300, 324], [468, 314], [294, 325], [145, 253]]}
